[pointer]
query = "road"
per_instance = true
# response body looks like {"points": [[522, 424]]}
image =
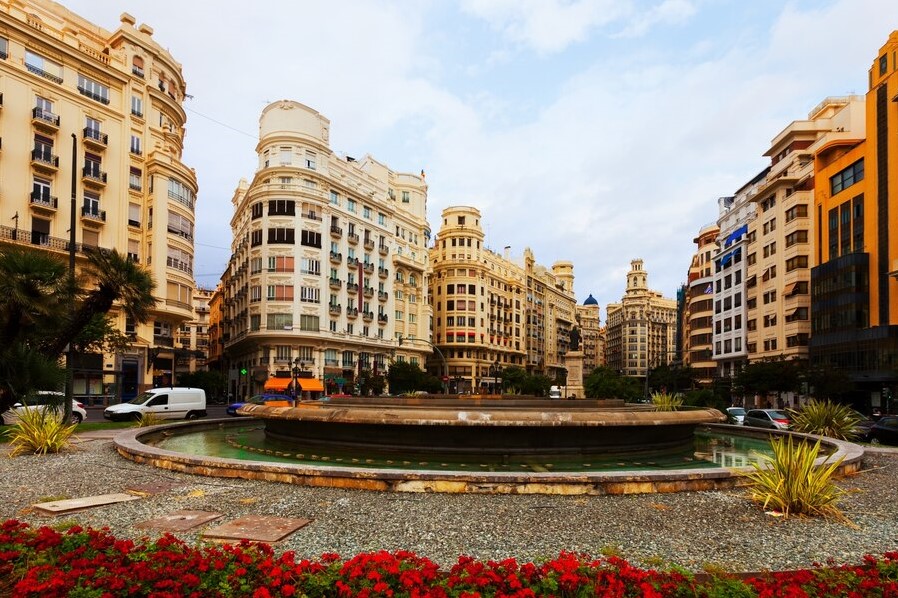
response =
{"points": [[95, 414]]}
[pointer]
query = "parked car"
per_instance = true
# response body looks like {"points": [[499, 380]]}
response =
{"points": [[885, 431], [270, 399], [773, 419], [165, 403], [45, 399], [863, 425], [736, 415]]}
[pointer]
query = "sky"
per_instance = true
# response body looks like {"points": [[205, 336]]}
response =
{"points": [[595, 131]]}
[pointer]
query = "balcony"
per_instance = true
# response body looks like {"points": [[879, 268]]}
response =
{"points": [[383, 295], [93, 215], [368, 267], [369, 243], [137, 71], [335, 283], [383, 272], [368, 291], [352, 287], [353, 238], [95, 139], [336, 231], [44, 119], [313, 216], [163, 341], [44, 160], [334, 308], [93, 175], [352, 261], [383, 248], [45, 203], [382, 318], [367, 315], [336, 257], [352, 312], [93, 95]]}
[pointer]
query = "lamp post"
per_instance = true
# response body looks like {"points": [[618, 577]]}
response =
{"points": [[494, 375]]}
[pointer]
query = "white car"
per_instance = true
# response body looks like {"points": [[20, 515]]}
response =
{"points": [[44, 399]]}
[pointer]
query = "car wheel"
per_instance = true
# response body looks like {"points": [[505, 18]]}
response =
{"points": [[192, 415], [76, 418]]}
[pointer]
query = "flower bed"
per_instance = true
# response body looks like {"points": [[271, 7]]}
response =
{"points": [[87, 562]]}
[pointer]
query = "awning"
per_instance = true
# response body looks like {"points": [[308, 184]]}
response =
{"points": [[789, 289], [277, 383], [311, 384]]}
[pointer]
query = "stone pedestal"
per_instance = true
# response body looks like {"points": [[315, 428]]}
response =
{"points": [[573, 361]]}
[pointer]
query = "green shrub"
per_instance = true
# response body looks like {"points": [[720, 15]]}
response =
{"points": [[39, 431], [667, 402], [826, 418], [790, 483]]}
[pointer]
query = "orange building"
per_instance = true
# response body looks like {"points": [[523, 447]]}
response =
{"points": [[853, 284]]}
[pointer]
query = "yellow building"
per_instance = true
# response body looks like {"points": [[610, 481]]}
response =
{"points": [[780, 239], [192, 339], [328, 265], [492, 312], [641, 329], [853, 283], [698, 323], [592, 335], [105, 109]]}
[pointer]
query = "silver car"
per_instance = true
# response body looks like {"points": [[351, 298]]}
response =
{"points": [[773, 419], [736, 415]]}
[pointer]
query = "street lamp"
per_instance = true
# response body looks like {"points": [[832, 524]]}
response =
{"points": [[494, 375]]}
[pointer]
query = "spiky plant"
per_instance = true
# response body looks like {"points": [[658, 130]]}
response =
{"points": [[148, 419], [791, 483], [39, 431], [663, 401], [826, 418]]}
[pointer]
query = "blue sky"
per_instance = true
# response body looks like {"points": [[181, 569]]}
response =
{"points": [[595, 131]]}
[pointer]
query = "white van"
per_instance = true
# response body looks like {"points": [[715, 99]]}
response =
{"points": [[554, 392], [165, 403]]}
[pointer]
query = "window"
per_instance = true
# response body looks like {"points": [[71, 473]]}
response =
{"points": [[311, 266], [350, 205], [255, 238], [179, 259], [335, 198], [281, 235], [366, 212], [93, 89], [133, 214], [280, 292], [40, 191], [281, 207], [37, 64], [799, 211], [4, 48], [256, 210], [255, 265], [135, 179], [307, 322], [180, 225], [136, 146], [137, 106], [286, 156], [180, 193], [310, 239], [311, 158], [137, 66], [280, 321], [406, 198], [883, 64], [43, 150], [91, 204], [799, 236], [769, 297], [382, 220], [847, 177], [309, 294], [800, 261]]}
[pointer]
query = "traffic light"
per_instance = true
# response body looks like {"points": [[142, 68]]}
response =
{"points": [[244, 371]]}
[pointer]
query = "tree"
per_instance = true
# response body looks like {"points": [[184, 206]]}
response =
{"points": [[768, 376], [605, 383], [214, 383], [404, 377], [370, 383], [514, 379]]}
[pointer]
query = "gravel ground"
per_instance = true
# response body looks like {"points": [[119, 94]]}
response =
{"points": [[696, 530]]}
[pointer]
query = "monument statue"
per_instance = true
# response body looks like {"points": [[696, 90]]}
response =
{"points": [[575, 339]]}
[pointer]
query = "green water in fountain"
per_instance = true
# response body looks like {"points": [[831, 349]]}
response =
{"points": [[711, 449]]}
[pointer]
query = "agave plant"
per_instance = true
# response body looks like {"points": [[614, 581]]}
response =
{"points": [[826, 418], [147, 419], [39, 431], [791, 483], [663, 401]]}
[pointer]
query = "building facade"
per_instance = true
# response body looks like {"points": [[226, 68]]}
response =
{"points": [[592, 335], [698, 318], [103, 109], [640, 332], [853, 283], [492, 312], [328, 266]]}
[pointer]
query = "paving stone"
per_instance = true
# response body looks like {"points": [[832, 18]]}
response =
{"points": [[179, 521], [257, 528], [151, 488], [61, 507]]}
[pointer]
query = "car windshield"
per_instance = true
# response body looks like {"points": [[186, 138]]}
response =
{"points": [[736, 410], [142, 398], [778, 415]]}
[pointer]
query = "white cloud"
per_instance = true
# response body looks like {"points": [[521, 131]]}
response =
{"points": [[669, 12]]}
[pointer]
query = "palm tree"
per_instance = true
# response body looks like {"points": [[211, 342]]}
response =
{"points": [[32, 290], [115, 279]]}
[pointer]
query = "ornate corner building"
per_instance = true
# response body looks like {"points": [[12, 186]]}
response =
{"points": [[103, 109], [492, 312], [641, 329], [328, 266], [698, 315]]}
